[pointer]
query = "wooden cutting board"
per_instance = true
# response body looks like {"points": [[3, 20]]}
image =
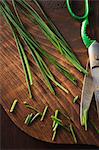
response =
{"points": [[13, 85]]}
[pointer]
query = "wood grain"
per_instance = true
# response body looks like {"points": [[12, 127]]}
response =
{"points": [[13, 83]]}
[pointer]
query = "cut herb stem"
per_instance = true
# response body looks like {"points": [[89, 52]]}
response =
{"points": [[73, 133], [75, 99], [27, 105], [44, 113], [13, 105], [56, 114], [54, 135], [55, 38], [28, 119], [34, 117]]}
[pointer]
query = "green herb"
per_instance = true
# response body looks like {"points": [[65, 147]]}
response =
{"points": [[34, 117], [22, 54], [56, 126], [73, 133], [32, 45], [56, 114], [57, 122], [85, 118], [28, 119], [56, 119], [75, 99], [50, 23], [53, 37], [17, 26], [30, 107], [54, 135], [34, 109], [13, 105], [44, 113]]}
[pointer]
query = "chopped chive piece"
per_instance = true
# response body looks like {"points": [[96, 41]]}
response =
{"points": [[56, 126], [73, 133], [34, 117], [54, 135], [30, 107], [56, 119], [56, 114], [13, 105], [85, 118], [44, 113], [75, 99], [28, 118]]}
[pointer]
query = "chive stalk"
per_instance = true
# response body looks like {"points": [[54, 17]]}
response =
{"points": [[56, 114], [85, 118], [23, 56], [32, 45], [27, 105], [34, 117], [27, 119], [44, 113], [56, 41], [75, 99], [54, 135], [12, 109], [73, 133], [56, 126]]}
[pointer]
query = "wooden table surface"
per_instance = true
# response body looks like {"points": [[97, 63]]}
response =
{"points": [[14, 86]]}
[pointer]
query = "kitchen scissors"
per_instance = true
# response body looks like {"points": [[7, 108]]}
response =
{"points": [[91, 81]]}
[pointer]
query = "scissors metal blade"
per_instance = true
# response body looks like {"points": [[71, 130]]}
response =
{"points": [[86, 96], [95, 75]]}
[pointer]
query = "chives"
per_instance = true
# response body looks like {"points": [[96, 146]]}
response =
{"points": [[44, 113], [13, 105], [28, 119], [33, 45], [75, 99], [34, 117], [54, 135], [58, 42], [56, 114], [73, 133], [30, 107]]}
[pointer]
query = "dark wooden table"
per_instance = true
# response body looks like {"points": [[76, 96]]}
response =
{"points": [[13, 138]]}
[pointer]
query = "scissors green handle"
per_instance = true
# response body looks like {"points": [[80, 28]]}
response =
{"points": [[86, 40], [80, 18]]}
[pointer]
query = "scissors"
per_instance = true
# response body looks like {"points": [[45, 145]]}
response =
{"points": [[91, 81]]}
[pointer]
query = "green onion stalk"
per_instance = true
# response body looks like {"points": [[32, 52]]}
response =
{"points": [[33, 47], [53, 35], [23, 56]]}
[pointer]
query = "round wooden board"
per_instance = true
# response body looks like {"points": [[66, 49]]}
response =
{"points": [[13, 85]]}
